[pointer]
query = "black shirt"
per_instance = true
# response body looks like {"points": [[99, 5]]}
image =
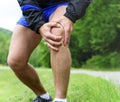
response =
{"points": [[33, 15]]}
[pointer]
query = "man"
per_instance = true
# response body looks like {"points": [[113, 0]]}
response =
{"points": [[53, 21]]}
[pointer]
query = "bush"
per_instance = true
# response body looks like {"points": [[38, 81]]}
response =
{"points": [[4, 45], [98, 61], [111, 60], [40, 56], [115, 60]]}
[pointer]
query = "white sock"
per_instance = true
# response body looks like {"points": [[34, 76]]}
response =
{"points": [[60, 99], [45, 96]]}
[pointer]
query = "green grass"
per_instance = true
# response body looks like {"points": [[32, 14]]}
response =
{"points": [[82, 88]]}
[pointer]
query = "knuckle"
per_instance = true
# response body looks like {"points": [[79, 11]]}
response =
{"points": [[47, 36], [55, 38], [52, 43]]}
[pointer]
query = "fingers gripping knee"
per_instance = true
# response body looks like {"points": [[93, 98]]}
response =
{"points": [[58, 30]]}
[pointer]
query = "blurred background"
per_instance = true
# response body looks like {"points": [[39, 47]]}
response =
{"points": [[95, 40], [94, 45]]}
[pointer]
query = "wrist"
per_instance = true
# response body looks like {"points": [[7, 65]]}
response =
{"points": [[70, 17], [68, 20]]}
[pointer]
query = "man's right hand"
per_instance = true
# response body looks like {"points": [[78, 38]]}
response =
{"points": [[68, 27], [53, 41]]}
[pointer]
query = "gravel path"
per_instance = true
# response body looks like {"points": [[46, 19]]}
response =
{"points": [[113, 77]]}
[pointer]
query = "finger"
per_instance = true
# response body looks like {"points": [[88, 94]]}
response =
{"points": [[66, 37], [54, 24], [52, 47], [68, 30], [53, 43], [54, 37], [66, 41]]}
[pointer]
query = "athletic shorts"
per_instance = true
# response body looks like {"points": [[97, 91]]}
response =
{"points": [[46, 13]]}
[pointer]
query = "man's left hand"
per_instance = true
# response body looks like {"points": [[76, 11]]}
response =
{"points": [[68, 27]]}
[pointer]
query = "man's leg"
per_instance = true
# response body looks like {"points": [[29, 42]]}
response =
{"points": [[23, 42], [60, 61]]}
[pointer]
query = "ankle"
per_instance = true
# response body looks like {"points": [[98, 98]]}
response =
{"points": [[45, 96], [60, 100]]}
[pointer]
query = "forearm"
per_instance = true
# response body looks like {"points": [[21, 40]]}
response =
{"points": [[76, 9]]}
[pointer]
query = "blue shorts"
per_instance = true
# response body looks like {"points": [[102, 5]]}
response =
{"points": [[46, 12]]}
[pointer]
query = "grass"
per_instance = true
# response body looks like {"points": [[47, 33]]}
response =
{"points": [[82, 88]]}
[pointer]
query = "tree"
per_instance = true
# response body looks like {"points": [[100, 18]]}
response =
{"points": [[99, 31], [4, 45]]}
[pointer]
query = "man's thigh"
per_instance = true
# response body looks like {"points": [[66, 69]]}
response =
{"points": [[60, 11], [23, 42]]}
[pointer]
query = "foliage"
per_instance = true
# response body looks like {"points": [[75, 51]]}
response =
{"points": [[98, 32], [110, 60], [84, 88], [114, 60], [4, 44], [41, 56], [94, 40], [98, 61]]}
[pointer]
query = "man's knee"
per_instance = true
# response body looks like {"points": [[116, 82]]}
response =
{"points": [[58, 30], [16, 63]]}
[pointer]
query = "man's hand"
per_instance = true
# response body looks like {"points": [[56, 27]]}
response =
{"points": [[53, 41], [68, 27]]}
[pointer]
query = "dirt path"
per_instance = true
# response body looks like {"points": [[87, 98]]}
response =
{"points": [[113, 77]]}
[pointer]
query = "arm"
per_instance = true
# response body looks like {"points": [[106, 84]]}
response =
{"points": [[32, 13], [76, 9]]}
